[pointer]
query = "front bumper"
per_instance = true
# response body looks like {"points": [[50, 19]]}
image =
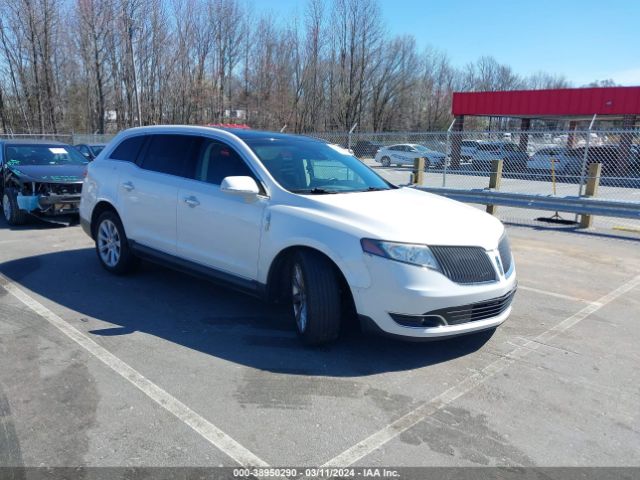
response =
{"points": [[49, 205], [406, 291]]}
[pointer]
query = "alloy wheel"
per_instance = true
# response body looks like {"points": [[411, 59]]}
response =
{"points": [[6, 207], [109, 243], [299, 298]]}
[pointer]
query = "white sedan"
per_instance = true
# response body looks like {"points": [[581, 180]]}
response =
{"points": [[406, 153], [296, 220]]}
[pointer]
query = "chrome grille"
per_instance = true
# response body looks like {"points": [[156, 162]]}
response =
{"points": [[475, 311], [504, 248], [465, 264]]}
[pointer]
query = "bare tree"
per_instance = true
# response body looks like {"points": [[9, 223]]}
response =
{"points": [[198, 61]]}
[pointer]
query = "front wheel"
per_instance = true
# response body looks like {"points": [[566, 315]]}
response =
{"points": [[386, 162], [112, 245], [12, 213], [315, 298]]}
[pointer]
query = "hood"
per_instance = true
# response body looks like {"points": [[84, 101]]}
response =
{"points": [[50, 173], [413, 216]]}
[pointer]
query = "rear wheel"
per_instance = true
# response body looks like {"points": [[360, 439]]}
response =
{"points": [[112, 245], [12, 213], [386, 162], [427, 164], [315, 298]]}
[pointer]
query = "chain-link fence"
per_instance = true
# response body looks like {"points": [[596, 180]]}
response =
{"points": [[534, 162], [92, 138]]}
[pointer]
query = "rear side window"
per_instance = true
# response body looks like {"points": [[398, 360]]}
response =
{"points": [[170, 154], [128, 149]]}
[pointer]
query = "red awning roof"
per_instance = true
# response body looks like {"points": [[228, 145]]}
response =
{"points": [[564, 102]]}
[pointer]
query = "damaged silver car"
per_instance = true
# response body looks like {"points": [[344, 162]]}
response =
{"points": [[42, 179]]}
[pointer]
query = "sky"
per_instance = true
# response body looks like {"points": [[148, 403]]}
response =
{"points": [[584, 40]]}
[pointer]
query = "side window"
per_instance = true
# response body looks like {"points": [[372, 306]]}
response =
{"points": [[128, 149], [170, 154], [216, 160]]}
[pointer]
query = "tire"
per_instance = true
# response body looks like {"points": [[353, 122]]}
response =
{"points": [[12, 213], [386, 162], [427, 164], [112, 246], [315, 297]]}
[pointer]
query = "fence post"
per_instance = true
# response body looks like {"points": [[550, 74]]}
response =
{"points": [[593, 182], [418, 170], [349, 136], [494, 181], [585, 159], [448, 154]]}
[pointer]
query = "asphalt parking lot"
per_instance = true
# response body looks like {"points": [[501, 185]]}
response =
{"points": [[162, 369]]}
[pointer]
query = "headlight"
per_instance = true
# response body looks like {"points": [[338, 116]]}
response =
{"points": [[413, 254]]}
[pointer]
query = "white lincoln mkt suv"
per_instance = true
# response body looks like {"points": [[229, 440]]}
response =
{"points": [[295, 219]]}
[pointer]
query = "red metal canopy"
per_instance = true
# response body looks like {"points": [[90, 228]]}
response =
{"points": [[566, 102]]}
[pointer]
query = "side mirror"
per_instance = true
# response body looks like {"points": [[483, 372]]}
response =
{"points": [[245, 186]]}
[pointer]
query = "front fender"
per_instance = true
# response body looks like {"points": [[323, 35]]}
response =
{"points": [[342, 247]]}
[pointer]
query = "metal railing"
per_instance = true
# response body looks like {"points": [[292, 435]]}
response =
{"points": [[534, 163], [577, 205]]}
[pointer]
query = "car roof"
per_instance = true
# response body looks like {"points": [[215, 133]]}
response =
{"points": [[245, 134], [241, 133]]}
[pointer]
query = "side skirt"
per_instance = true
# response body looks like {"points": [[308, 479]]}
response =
{"points": [[250, 287]]}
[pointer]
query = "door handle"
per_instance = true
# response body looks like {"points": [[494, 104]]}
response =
{"points": [[128, 186], [191, 201]]}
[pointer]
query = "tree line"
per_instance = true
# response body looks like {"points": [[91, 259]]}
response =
{"points": [[95, 66]]}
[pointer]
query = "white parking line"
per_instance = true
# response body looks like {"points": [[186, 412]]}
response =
{"points": [[554, 294], [375, 441], [206, 429]]}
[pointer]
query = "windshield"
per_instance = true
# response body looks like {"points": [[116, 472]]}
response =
{"points": [[96, 149], [43, 155], [311, 167]]}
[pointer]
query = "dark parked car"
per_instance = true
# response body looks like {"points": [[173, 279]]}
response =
{"points": [[608, 156], [365, 148], [40, 178], [514, 159], [90, 151]]}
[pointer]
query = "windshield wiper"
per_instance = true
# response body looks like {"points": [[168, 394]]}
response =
{"points": [[372, 189], [314, 191]]}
